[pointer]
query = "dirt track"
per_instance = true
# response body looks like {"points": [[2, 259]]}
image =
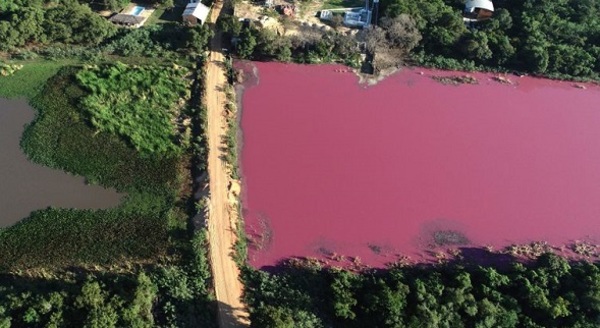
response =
{"points": [[221, 226]]}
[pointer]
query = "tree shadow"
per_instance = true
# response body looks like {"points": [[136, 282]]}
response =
{"points": [[228, 317]]}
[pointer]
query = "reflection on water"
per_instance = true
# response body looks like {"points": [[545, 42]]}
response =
{"points": [[26, 186]]}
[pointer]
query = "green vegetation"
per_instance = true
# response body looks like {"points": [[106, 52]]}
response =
{"points": [[159, 296], [136, 103], [311, 45], [37, 21], [29, 80], [554, 38], [61, 138], [56, 237], [334, 4], [135, 265], [550, 293], [125, 126]]}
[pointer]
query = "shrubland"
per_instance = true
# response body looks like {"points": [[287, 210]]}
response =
{"points": [[547, 293], [552, 38], [137, 103], [142, 263]]}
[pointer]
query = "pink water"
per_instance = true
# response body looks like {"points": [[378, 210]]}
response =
{"points": [[334, 167]]}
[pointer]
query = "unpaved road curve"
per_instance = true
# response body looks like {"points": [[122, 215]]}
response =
{"points": [[221, 226]]}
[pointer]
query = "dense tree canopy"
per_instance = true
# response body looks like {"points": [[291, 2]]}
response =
{"points": [[550, 293], [558, 38], [40, 22]]}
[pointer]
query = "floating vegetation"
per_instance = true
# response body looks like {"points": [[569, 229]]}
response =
{"points": [[456, 79], [449, 237], [534, 249], [265, 237], [325, 251], [502, 79], [375, 248], [584, 248], [402, 261], [454, 252]]}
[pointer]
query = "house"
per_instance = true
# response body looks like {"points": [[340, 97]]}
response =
{"points": [[128, 20], [478, 10], [195, 13], [132, 16], [359, 17]]}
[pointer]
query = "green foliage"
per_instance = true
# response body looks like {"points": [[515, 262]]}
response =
{"points": [[266, 44], [59, 238], [61, 138], [137, 103], [556, 38], [102, 300], [29, 80], [550, 293], [247, 43], [37, 22]]}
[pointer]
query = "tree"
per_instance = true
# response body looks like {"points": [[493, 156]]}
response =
{"points": [[246, 44], [343, 294], [139, 312], [402, 32], [475, 46]]}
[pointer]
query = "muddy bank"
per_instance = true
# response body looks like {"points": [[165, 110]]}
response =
{"points": [[25, 186]]}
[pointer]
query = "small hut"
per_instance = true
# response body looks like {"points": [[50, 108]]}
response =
{"points": [[128, 20], [478, 10], [195, 13]]}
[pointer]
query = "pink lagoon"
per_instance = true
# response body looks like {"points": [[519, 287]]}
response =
{"points": [[345, 172]]}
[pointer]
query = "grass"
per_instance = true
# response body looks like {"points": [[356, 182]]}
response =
{"points": [[28, 81], [336, 4], [165, 16], [67, 237], [136, 102], [139, 229]]}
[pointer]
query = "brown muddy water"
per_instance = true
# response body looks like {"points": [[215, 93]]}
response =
{"points": [[26, 186]]}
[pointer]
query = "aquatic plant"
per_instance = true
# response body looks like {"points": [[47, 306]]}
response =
{"points": [[449, 237]]}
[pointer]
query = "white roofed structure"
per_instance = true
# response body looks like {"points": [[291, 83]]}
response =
{"points": [[195, 13], [477, 10], [483, 4]]}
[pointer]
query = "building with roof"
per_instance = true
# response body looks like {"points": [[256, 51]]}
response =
{"points": [[132, 16], [195, 13], [128, 20], [359, 17], [478, 10]]}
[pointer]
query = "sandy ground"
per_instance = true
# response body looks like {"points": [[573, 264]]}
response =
{"points": [[221, 225]]}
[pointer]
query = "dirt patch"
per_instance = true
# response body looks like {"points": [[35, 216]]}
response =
{"points": [[222, 222], [456, 79]]}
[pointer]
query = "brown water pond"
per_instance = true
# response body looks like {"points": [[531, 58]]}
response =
{"points": [[25, 186]]}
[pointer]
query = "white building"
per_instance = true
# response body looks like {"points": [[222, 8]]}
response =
{"points": [[478, 9], [195, 13], [357, 18]]}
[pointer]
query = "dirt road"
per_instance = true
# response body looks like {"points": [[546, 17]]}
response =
{"points": [[221, 225]]}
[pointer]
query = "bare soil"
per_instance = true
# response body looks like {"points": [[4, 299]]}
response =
{"points": [[222, 226]]}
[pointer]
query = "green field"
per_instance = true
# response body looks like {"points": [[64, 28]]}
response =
{"points": [[335, 4], [28, 81]]}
